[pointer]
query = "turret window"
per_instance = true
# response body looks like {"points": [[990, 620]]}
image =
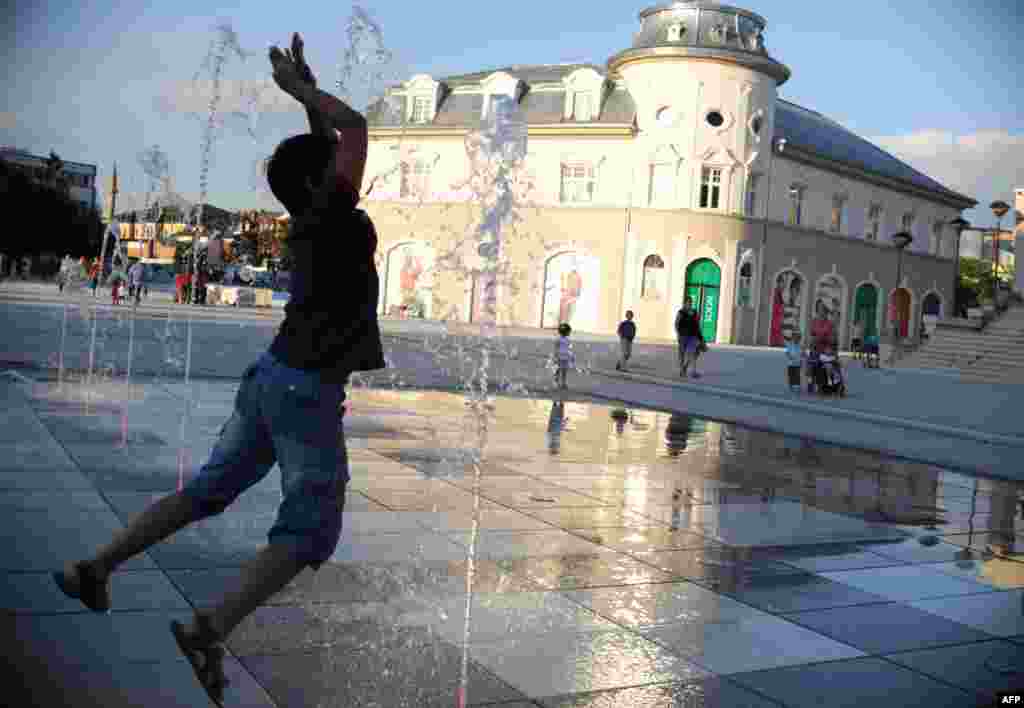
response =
{"points": [[711, 188]]}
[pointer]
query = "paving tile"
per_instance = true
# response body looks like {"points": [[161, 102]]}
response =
{"points": [[498, 615], [37, 593], [383, 547], [46, 500], [983, 667], [591, 518], [389, 677], [709, 693], [645, 539], [997, 572], [715, 564], [794, 593], [1000, 614], [57, 478], [119, 636], [748, 644], [571, 572], [49, 540], [662, 604], [557, 664], [883, 629], [125, 684], [491, 519], [782, 523], [927, 548], [907, 583], [853, 684], [528, 544]]}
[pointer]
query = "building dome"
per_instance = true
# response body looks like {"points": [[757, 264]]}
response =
{"points": [[703, 29]]}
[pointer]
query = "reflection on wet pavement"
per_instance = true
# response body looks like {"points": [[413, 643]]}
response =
{"points": [[620, 557], [626, 548]]}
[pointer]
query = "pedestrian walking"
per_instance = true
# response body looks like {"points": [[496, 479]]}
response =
{"points": [[115, 289], [691, 339], [94, 276], [857, 339], [286, 409], [135, 276], [564, 357], [627, 333], [795, 359]]}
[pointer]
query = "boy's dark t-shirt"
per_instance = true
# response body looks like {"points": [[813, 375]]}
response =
{"points": [[330, 320], [627, 330], [688, 324]]}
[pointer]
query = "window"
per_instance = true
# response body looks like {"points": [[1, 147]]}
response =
{"points": [[421, 109], [662, 183], [579, 182], [651, 285], [874, 222], [838, 205], [908, 222], [415, 178], [743, 292], [715, 119], [710, 188], [583, 106], [752, 184], [675, 32], [796, 204], [936, 245]]}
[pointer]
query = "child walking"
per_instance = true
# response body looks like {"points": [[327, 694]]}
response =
{"points": [[795, 357], [115, 290], [627, 333], [564, 357]]}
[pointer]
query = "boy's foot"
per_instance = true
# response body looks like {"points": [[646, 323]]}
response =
{"points": [[203, 648], [81, 582]]}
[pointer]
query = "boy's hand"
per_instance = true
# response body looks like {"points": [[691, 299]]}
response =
{"points": [[288, 75], [299, 55]]}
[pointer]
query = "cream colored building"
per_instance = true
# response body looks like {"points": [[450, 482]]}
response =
{"points": [[673, 169]]}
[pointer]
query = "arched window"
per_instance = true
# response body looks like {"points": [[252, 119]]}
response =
{"points": [[651, 285], [746, 280]]}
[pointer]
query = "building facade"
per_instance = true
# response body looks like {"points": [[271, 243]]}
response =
{"points": [[78, 177], [673, 170]]}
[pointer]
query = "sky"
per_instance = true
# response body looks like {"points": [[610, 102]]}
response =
{"points": [[938, 83]]}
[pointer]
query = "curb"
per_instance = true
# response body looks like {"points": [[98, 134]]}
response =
{"points": [[921, 426]]}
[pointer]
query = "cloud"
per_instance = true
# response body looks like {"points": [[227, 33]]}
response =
{"points": [[241, 96], [986, 165]]}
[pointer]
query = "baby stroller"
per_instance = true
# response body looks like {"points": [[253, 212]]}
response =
{"points": [[825, 375]]}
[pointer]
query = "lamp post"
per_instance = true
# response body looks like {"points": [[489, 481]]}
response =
{"points": [[900, 240], [999, 208], [780, 146], [960, 224]]}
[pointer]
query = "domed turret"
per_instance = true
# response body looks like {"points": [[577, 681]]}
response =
{"points": [[702, 29]]}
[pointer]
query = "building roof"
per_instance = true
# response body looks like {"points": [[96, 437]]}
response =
{"points": [[801, 127]]}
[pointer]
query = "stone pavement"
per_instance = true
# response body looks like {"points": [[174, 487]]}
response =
{"points": [[782, 573]]}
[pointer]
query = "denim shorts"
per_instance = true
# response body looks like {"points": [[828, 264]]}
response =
{"points": [[289, 417]]}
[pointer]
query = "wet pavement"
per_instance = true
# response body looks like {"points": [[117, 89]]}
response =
{"points": [[622, 557]]}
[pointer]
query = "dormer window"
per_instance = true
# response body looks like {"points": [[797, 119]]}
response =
{"points": [[583, 106], [583, 90], [676, 32], [421, 109], [422, 96]]}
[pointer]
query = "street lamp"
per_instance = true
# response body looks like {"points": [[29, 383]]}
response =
{"points": [[999, 208], [960, 224], [900, 240], [780, 147]]}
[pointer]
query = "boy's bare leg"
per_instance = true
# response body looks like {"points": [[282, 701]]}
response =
{"points": [[156, 523], [263, 576]]}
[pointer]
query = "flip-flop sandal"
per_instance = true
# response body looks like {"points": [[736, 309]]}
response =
{"points": [[86, 587], [206, 655]]}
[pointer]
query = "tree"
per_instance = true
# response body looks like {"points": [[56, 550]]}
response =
{"points": [[58, 225]]}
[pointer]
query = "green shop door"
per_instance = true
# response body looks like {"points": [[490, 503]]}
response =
{"points": [[703, 283], [866, 309]]}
